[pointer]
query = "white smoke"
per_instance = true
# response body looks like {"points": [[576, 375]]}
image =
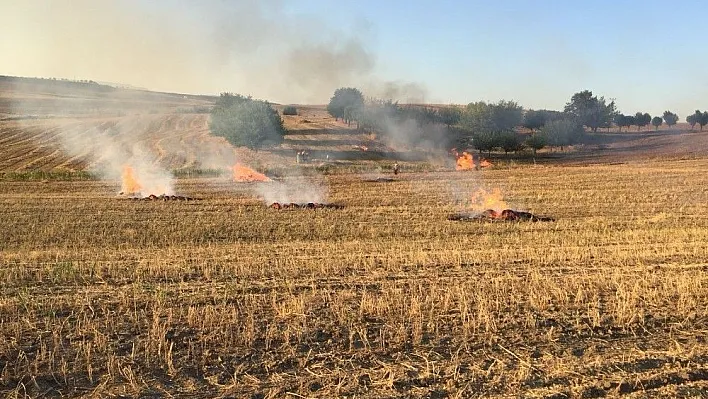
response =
{"points": [[109, 147], [299, 190]]}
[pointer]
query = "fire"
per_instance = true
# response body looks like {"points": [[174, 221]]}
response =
{"points": [[130, 185], [245, 174], [483, 200], [465, 161]]}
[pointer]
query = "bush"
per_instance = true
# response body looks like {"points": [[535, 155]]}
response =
{"points": [[246, 122], [290, 110]]}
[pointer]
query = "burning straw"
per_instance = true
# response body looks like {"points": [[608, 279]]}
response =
{"points": [[244, 174], [467, 161], [491, 206]]}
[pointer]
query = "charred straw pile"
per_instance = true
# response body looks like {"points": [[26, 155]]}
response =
{"points": [[507, 215], [307, 205], [163, 197]]}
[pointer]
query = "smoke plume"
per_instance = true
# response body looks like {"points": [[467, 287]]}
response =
{"points": [[118, 153], [253, 47]]}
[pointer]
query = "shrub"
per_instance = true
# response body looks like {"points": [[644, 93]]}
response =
{"points": [[290, 110], [246, 122]]}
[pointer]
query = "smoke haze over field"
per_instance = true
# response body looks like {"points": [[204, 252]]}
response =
{"points": [[253, 47], [292, 51]]}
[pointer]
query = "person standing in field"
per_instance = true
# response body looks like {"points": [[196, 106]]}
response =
{"points": [[396, 168]]}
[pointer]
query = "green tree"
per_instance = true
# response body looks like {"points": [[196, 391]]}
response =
{"points": [[477, 117], [622, 120], [485, 141], [641, 120], [351, 114], [344, 97], [656, 121], [450, 115], [536, 141], [591, 111], [509, 141], [506, 115], [699, 118], [631, 120], [670, 118], [489, 123], [563, 132], [246, 122], [480, 116], [692, 119], [702, 118], [534, 120]]}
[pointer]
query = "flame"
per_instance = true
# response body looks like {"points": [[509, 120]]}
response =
{"points": [[483, 200], [245, 174], [485, 163], [464, 161], [130, 185]]}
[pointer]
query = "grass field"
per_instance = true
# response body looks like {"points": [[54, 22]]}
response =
{"points": [[102, 296]]}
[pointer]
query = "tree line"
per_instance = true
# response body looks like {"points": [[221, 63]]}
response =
{"points": [[489, 126], [244, 121]]}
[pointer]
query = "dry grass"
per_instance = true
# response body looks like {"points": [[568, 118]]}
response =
{"points": [[385, 298], [223, 297]]}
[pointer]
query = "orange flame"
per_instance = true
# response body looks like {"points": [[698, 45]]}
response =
{"points": [[130, 185], [485, 163], [464, 161], [483, 200], [243, 173]]}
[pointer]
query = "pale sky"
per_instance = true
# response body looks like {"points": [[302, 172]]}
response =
{"points": [[647, 55]]}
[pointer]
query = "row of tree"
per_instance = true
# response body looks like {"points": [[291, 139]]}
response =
{"points": [[698, 118], [643, 119], [481, 125], [487, 126], [244, 121], [493, 126], [348, 104]]}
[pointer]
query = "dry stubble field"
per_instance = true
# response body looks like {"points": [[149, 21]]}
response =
{"points": [[223, 297], [385, 298]]}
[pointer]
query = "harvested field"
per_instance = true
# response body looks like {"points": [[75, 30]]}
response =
{"points": [[210, 292], [384, 298]]}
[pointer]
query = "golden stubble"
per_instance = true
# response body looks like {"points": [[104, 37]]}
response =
{"points": [[386, 297]]}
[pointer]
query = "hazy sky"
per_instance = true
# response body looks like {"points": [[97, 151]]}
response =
{"points": [[648, 55]]}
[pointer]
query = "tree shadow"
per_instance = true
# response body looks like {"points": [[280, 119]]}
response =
{"points": [[319, 132], [321, 155], [322, 143]]}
